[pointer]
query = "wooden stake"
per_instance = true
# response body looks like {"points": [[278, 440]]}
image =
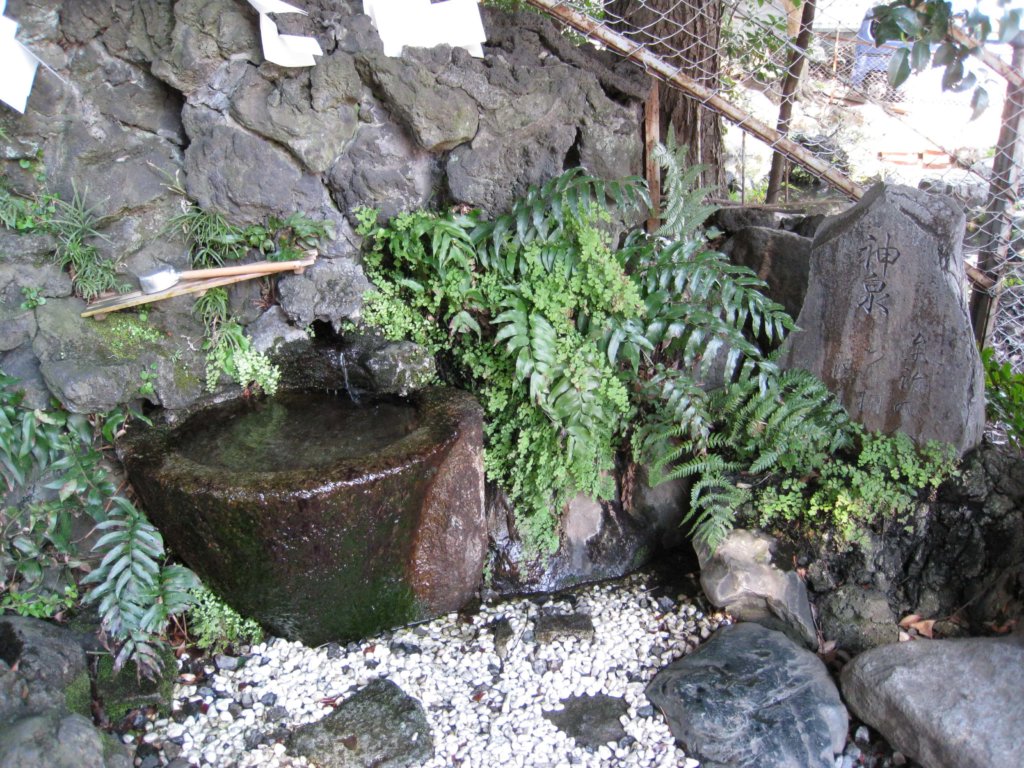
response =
{"points": [[652, 135]]}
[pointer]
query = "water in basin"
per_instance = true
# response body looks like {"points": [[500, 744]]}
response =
{"points": [[294, 431]]}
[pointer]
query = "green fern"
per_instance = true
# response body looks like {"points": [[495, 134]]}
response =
{"points": [[715, 502], [684, 211], [135, 592], [578, 349]]}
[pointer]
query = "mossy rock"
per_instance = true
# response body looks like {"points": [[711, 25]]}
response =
{"points": [[78, 695], [127, 690]]}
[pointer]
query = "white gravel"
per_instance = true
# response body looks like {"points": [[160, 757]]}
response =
{"points": [[483, 710]]}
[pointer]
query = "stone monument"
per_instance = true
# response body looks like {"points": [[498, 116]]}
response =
{"points": [[885, 321]]}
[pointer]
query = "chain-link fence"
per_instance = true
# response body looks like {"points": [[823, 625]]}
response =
{"points": [[809, 92]]}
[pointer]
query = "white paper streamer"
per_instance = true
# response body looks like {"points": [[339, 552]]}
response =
{"points": [[422, 24], [284, 50], [18, 65]]}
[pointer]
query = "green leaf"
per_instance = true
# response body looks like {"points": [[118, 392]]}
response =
{"points": [[953, 75], [968, 82], [979, 102], [920, 55], [907, 20], [899, 67]]}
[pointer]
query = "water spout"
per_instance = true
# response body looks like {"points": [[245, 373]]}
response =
{"points": [[344, 372]]}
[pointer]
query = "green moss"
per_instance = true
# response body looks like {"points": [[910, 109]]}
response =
{"points": [[185, 380], [127, 690], [78, 695], [126, 337]]}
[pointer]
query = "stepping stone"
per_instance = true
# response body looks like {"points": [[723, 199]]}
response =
{"points": [[591, 720], [752, 698], [550, 627], [379, 726]]}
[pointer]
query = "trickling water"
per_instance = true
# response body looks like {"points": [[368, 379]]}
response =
{"points": [[344, 373]]}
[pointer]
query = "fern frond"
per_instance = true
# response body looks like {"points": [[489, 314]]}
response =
{"points": [[135, 593], [714, 503], [683, 211]]}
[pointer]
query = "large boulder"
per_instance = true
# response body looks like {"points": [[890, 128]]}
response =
{"points": [[945, 703], [92, 366], [43, 674], [782, 259], [885, 322], [960, 555], [751, 698], [40, 661], [60, 740], [597, 540]]}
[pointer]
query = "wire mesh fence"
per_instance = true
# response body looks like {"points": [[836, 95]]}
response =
{"points": [[810, 112]]}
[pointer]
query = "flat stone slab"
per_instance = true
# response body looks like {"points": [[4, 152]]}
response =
{"points": [[752, 698], [380, 726], [557, 626], [591, 720], [945, 703]]}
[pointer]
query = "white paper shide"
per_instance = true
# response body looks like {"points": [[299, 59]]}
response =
{"points": [[17, 64], [422, 24], [284, 50]]}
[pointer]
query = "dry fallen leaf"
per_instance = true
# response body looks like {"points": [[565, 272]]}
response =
{"points": [[904, 637], [925, 628]]}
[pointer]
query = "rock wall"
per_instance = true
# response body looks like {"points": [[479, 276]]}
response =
{"points": [[157, 93]]}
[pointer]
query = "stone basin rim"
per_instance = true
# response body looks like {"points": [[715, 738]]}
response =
{"points": [[439, 412]]}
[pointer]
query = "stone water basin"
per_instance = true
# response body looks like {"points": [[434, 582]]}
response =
{"points": [[324, 519]]}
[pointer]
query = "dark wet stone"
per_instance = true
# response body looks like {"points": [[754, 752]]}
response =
{"points": [[551, 627], [276, 712], [379, 726], [591, 720], [503, 633], [40, 662], [782, 259], [751, 697]]}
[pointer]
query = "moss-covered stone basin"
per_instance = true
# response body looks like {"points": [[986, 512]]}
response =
{"points": [[323, 519]]}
